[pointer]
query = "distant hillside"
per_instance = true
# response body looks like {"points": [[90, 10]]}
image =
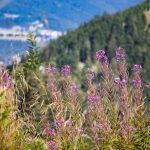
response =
{"points": [[45, 18], [129, 29], [61, 14]]}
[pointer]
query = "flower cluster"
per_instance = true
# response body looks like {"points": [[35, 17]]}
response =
{"points": [[73, 88], [102, 116], [101, 55], [51, 70], [137, 68], [120, 54], [93, 98], [50, 131], [81, 131], [137, 84], [118, 81], [52, 86], [52, 144], [65, 70], [90, 76], [5, 81], [120, 58], [59, 123]]}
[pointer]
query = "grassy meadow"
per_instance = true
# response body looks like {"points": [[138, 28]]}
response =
{"points": [[45, 107]]}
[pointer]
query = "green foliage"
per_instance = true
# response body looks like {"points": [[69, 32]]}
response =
{"points": [[38, 144], [32, 60]]}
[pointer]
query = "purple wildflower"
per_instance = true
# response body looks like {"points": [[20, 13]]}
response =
{"points": [[68, 123], [121, 66], [2, 69], [52, 86], [133, 129], [96, 137], [137, 68], [136, 83], [52, 144], [101, 125], [116, 81], [120, 54], [134, 138], [73, 88], [101, 56], [51, 70], [92, 98], [123, 82], [5, 81], [6, 78], [50, 131], [58, 123], [122, 131], [81, 131], [65, 70]]}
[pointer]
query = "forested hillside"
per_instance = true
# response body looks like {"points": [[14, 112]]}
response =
{"points": [[129, 29]]}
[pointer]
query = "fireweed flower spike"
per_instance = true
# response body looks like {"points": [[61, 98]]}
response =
{"points": [[92, 98], [49, 131], [91, 88], [90, 76], [59, 123], [101, 56], [51, 70], [74, 88], [81, 131], [122, 85], [137, 68], [53, 89], [121, 82], [137, 84], [65, 70], [5, 81], [52, 144], [120, 59], [96, 137], [120, 54], [73, 91], [65, 73], [70, 88], [124, 106], [96, 109]]}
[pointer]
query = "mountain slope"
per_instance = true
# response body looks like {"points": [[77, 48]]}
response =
{"points": [[129, 29], [61, 14], [47, 19]]}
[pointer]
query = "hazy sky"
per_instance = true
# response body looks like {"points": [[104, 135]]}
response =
{"points": [[3, 3]]}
